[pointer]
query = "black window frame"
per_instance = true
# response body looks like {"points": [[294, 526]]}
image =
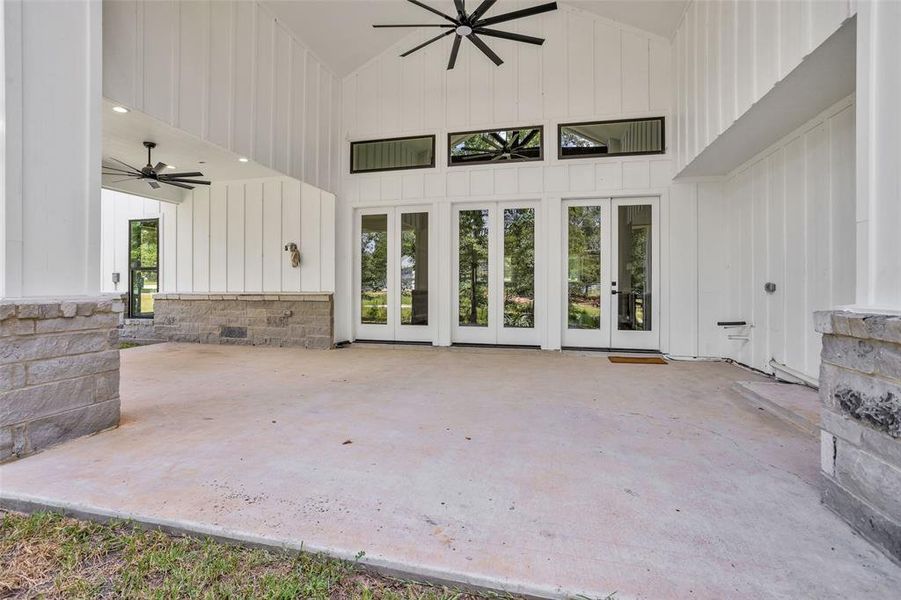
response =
{"points": [[130, 307], [560, 126], [431, 165], [541, 156]]}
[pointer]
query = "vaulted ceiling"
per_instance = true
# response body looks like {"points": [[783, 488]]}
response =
{"points": [[340, 31]]}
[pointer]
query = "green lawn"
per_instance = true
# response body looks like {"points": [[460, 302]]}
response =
{"points": [[49, 556]]}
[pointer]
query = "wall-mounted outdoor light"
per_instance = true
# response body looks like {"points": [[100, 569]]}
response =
{"points": [[295, 254]]}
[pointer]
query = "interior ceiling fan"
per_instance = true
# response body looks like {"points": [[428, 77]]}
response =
{"points": [[474, 24], [153, 174]]}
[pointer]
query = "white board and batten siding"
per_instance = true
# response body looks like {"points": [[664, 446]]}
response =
{"points": [[230, 237], [730, 53], [786, 216], [227, 72]]}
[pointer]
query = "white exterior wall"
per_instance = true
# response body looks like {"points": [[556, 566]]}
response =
{"points": [[50, 149], [787, 217], [588, 69], [229, 237], [730, 53], [229, 73]]}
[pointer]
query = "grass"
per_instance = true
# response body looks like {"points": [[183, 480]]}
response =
{"points": [[46, 555]]}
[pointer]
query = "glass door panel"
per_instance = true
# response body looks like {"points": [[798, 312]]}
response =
{"points": [[374, 269], [413, 273], [518, 286], [586, 267], [635, 252], [473, 272], [143, 266]]}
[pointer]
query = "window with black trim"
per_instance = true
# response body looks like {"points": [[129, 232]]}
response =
{"points": [[495, 145], [394, 154], [611, 138]]}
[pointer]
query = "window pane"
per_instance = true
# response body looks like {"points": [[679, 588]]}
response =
{"points": [[414, 268], [398, 153], [143, 244], [519, 267], [492, 146], [610, 138], [634, 270], [374, 269], [144, 285], [584, 267], [473, 261]]}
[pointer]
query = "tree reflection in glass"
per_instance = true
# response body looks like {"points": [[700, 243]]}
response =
{"points": [[473, 262]]}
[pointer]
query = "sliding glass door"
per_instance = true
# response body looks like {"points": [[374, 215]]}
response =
{"points": [[392, 300], [495, 287], [611, 285]]}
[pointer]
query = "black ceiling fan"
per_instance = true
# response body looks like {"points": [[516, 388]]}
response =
{"points": [[472, 25], [153, 173]]}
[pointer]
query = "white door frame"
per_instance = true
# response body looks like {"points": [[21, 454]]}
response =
{"points": [[393, 330], [644, 340], [415, 333], [589, 338], [607, 336], [371, 331], [495, 332]]}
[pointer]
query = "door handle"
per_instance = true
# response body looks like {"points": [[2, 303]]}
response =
{"points": [[614, 292]]}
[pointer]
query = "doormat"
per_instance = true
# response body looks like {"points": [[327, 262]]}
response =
{"points": [[638, 360]]}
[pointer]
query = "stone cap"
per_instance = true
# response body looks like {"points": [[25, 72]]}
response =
{"points": [[251, 297], [867, 326], [60, 306]]}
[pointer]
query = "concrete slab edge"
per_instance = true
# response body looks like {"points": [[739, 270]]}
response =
{"points": [[782, 413], [476, 583]]}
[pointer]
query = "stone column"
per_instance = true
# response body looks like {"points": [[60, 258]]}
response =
{"points": [[860, 388], [58, 363]]}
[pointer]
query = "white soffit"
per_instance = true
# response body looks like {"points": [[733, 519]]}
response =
{"points": [[340, 32], [123, 137], [824, 77]]}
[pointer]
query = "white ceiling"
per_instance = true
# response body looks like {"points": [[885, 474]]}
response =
{"points": [[340, 31], [123, 137]]}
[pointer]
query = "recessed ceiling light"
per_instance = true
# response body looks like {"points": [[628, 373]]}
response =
{"points": [[170, 166], [242, 159], [120, 109]]}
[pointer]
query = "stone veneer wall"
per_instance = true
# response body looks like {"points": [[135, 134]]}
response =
{"points": [[860, 387], [59, 371], [295, 319]]}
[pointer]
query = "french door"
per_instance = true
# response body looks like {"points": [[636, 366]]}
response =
{"points": [[495, 291], [393, 275], [611, 286]]}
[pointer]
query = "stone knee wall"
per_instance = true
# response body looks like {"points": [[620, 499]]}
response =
{"points": [[299, 319], [59, 371], [860, 388], [139, 331]]}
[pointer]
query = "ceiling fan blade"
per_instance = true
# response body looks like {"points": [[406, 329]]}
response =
{"points": [[107, 171], [485, 49], [453, 55], [121, 180], [481, 10], [461, 7], [518, 14], [525, 141], [119, 169], [181, 185], [424, 44], [414, 25], [432, 10], [153, 184], [516, 37], [191, 174], [475, 156], [499, 140], [159, 166], [126, 164], [194, 181]]}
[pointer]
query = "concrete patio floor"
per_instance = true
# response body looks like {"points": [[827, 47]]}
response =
{"points": [[545, 473]]}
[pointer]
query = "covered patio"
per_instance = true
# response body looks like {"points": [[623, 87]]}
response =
{"points": [[538, 473]]}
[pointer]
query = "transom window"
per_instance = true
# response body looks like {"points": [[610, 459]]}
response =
{"points": [[611, 138], [393, 154], [494, 146]]}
